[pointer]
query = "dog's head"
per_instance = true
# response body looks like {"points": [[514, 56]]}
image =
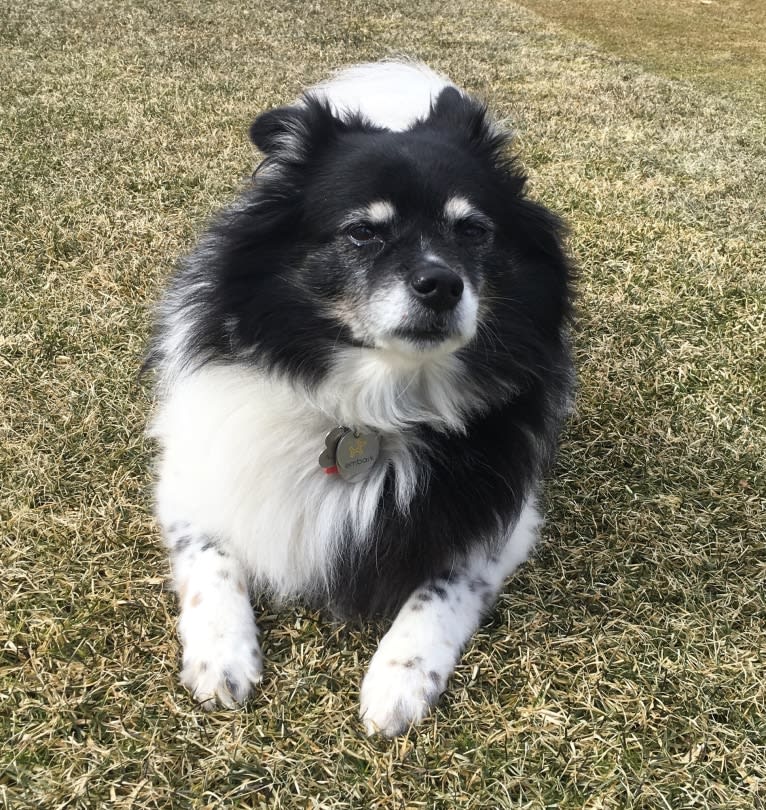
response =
{"points": [[417, 242], [401, 227]]}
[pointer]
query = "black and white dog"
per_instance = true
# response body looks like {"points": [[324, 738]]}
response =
{"points": [[362, 370]]}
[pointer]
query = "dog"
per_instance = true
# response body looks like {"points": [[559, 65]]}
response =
{"points": [[362, 371]]}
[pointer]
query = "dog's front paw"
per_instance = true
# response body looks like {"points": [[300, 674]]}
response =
{"points": [[398, 692], [221, 655], [223, 673]]}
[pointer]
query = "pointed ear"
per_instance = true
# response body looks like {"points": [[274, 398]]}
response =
{"points": [[468, 119], [272, 128], [296, 132], [452, 105]]}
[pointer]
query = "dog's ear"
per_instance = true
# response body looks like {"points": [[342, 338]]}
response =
{"points": [[274, 127], [295, 132], [453, 107], [467, 118]]}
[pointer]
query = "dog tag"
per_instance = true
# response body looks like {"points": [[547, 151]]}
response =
{"points": [[327, 459], [356, 454]]}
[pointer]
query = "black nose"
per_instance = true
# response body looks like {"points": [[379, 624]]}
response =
{"points": [[437, 287]]}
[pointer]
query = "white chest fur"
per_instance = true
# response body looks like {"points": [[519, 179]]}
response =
{"points": [[240, 449], [239, 461]]}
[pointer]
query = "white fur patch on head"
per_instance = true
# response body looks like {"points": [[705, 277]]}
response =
{"points": [[389, 94], [387, 309], [467, 312], [379, 212], [457, 208]]}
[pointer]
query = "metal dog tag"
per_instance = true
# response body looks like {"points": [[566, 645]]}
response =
{"points": [[327, 459], [356, 454]]}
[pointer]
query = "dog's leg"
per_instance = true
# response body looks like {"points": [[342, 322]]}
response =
{"points": [[417, 655], [221, 655]]}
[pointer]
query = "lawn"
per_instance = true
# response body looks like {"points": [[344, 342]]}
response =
{"points": [[720, 44], [625, 666]]}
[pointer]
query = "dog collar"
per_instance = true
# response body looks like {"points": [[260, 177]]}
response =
{"points": [[350, 453]]}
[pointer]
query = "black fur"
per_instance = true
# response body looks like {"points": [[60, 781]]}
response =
{"points": [[476, 482]]}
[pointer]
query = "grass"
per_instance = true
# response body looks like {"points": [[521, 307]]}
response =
{"points": [[721, 44], [624, 667]]}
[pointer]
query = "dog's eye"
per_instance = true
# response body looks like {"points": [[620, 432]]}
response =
{"points": [[472, 229], [362, 234]]}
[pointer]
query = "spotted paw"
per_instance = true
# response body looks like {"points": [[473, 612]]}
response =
{"points": [[218, 677], [398, 692]]}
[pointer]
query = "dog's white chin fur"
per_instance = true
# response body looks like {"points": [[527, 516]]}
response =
{"points": [[386, 315]]}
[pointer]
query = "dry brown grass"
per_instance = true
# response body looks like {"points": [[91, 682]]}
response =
{"points": [[625, 666], [719, 43]]}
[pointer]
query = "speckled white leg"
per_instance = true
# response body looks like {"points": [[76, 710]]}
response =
{"points": [[417, 655], [221, 655]]}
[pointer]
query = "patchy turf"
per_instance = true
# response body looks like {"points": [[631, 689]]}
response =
{"points": [[718, 43], [625, 666]]}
